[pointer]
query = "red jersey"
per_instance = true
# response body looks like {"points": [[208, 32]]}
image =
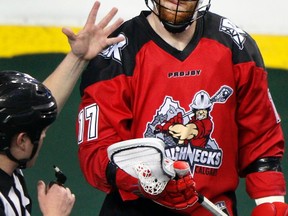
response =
{"points": [[141, 82]]}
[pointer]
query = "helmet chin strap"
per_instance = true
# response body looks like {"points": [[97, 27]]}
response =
{"points": [[174, 28], [23, 162]]}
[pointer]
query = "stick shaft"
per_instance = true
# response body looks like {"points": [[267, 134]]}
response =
{"points": [[210, 206]]}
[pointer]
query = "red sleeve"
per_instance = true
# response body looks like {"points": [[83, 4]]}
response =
{"points": [[263, 184], [103, 119], [260, 132]]}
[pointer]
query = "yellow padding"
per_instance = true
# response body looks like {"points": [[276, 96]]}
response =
{"points": [[274, 50], [19, 40], [22, 40]]}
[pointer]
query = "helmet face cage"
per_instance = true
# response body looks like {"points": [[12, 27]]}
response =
{"points": [[176, 21], [26, 105]]}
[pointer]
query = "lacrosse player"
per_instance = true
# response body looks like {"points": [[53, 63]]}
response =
{"points": [[197, 82], [27, 108]]}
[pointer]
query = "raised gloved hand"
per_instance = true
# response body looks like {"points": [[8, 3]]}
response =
{"points": [[271, 209]]}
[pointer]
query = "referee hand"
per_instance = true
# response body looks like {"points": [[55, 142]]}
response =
{"points": [[56, 200]]}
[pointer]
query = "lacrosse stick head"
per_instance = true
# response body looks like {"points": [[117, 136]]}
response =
{"points": [[144, 159]]}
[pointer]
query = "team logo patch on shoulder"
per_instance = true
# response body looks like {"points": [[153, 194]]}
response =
{"points": [[237, 34], [114, 50]]}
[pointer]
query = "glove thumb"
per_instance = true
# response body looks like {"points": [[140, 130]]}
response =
{"points": [[181, 168]]}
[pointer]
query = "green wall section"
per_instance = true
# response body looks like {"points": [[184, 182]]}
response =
{"points": [[60, 145]]}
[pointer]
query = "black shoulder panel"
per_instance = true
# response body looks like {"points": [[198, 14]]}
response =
{"points": [[241, 44]]}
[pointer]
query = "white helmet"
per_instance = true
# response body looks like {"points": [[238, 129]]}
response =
{"points": [[176, 21], [201, 101]]}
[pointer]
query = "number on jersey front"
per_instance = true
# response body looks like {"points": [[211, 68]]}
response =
{"points": [[88, 121]]}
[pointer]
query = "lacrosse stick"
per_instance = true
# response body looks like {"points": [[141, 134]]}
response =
{"points": [[144, 159]]}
